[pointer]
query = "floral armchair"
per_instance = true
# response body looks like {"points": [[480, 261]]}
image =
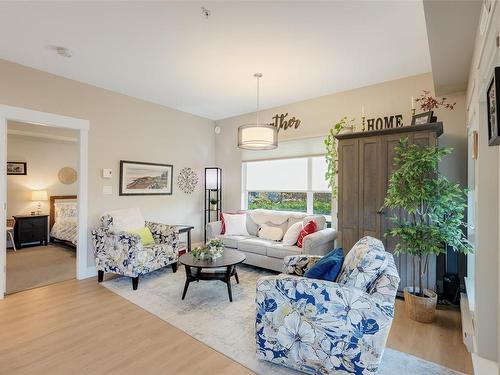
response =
{"points": [[323, 327], [122, 253]]}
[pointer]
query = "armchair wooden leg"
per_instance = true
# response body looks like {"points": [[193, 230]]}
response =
{"points": [[100, 276], [174, 267], [135, 282]]}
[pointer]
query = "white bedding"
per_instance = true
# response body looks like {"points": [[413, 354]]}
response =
{"points": [[65, 219]]}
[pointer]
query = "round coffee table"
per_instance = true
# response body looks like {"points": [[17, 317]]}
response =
{"points": [[228, 261]]}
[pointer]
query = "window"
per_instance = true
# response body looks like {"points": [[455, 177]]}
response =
{"points": [[274, 200], [294, 184]]}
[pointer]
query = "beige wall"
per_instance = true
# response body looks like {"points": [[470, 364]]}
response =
{"points": [[317, 116], [44, 158], [487, 191], [121, 128]]}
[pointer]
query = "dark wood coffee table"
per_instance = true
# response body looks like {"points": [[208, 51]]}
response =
{"points": [[228, 261]]}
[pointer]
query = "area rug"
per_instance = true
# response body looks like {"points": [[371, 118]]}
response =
{"points": [[207, 315]]}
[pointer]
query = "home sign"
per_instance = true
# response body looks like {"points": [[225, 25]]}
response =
{"points": [[386, 122]]}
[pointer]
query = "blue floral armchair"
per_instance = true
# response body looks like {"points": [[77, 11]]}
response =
{"points": [[323, 327], [122, 253]]}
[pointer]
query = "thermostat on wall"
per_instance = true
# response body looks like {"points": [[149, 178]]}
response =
{"points": [[107, 173]]}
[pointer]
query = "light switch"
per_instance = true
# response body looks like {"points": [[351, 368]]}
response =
{"points": [[107, 190], [107, 173]]}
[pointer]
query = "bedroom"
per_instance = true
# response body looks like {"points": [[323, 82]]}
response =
{"points": [[41, 205]]}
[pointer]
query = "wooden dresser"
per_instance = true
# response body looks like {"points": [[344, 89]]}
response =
{"points": [[31, 229], [365, 166]]}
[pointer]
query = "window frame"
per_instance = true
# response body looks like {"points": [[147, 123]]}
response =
{"points": [[309, 192]]}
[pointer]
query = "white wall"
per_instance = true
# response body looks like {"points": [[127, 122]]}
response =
{"points": [[44, 158], [319, 114], [486, 279], [121, 128]]}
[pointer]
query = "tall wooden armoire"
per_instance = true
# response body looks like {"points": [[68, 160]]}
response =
{"points": [[365, 166]]}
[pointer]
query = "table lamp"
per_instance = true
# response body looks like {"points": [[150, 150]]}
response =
{"points": [[39, 196]]}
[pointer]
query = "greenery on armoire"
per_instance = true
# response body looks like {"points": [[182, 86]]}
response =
{"points": [[431, 207], [332, 156]]}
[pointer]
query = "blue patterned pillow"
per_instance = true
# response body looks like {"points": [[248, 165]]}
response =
{"points": [[328, 267]]}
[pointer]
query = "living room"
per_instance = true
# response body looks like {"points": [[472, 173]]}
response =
{"points": [[216, 144]]}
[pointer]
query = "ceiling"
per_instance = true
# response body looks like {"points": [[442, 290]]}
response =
{"points": [[451, 27], [169, 53]]}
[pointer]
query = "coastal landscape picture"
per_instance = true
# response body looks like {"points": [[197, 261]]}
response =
{"points": [[138, 178]]}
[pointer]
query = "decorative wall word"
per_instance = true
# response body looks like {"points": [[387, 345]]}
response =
{"points": [[280, 122], [386, 122]]}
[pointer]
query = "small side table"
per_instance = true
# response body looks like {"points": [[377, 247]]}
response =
{"points": [[31, 229], [186, 229]]}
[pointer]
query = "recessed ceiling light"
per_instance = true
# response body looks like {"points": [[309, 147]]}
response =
{"points": [[63, 51]]}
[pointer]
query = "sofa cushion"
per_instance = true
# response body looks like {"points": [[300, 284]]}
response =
{"points": [[308, 229], [271, 232], [328, 267], [232, 241], [126, 218], [252, 227], [254, 245], [319, 219], [364, 263], [281, 251]]}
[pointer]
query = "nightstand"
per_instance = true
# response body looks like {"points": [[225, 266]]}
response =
{"points": [[31, 229]]}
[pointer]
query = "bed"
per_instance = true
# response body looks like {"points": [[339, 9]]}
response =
{"points": [[63, 219]]}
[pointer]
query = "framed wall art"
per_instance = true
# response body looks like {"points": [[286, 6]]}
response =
{"points": [[16, 168], [139, 178], [492, 104], [422, 118]]}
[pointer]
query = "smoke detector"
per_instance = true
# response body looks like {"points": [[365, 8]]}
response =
{"points": [[63, 51], [205, 12]]}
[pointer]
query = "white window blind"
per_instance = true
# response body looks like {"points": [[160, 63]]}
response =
{"points": [[277, 175], [318, 182]]}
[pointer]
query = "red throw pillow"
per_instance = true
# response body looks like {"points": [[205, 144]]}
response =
{"points": [[309, 228], [223, 227]]}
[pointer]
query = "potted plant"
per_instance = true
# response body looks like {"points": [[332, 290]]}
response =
{"points": [[213, 203], [331, 144], [212, 250], [431, 216]]}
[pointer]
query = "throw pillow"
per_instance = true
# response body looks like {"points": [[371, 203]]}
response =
{"points": [[144, 233], [236, 224], [328, 267], [309, 228], [292, 234], [269, 232]]}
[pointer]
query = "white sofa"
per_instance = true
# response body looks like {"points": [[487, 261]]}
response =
{"points": [[270, 254]]}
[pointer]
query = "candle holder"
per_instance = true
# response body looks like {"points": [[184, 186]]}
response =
{"points": [[363, 123], [413, 111]]}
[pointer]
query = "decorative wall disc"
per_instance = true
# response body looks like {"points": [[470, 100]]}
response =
{"points": [[67, 175], [187, 179]]}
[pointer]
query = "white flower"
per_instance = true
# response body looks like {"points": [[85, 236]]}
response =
{"points": [[297, 337], [349, 307]]}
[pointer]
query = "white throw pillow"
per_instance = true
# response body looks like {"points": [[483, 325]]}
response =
{"points": [[236, 224], [269, 232], [292, 234], [130, 218]]}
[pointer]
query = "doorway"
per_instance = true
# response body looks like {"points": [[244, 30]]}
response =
{"points": [[81, 127], [41, 205]]}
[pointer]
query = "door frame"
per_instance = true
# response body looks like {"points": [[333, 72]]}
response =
{"points": [[29, 116]]}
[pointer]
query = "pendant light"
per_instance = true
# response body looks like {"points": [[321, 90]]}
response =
{"points": [[256, 136]]}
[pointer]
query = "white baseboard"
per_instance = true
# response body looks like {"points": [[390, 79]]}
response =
{"points": [[483, 366], [89, 272]]}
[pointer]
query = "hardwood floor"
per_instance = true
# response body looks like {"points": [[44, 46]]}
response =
{"points": [[80, 327], [439, 342]]}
